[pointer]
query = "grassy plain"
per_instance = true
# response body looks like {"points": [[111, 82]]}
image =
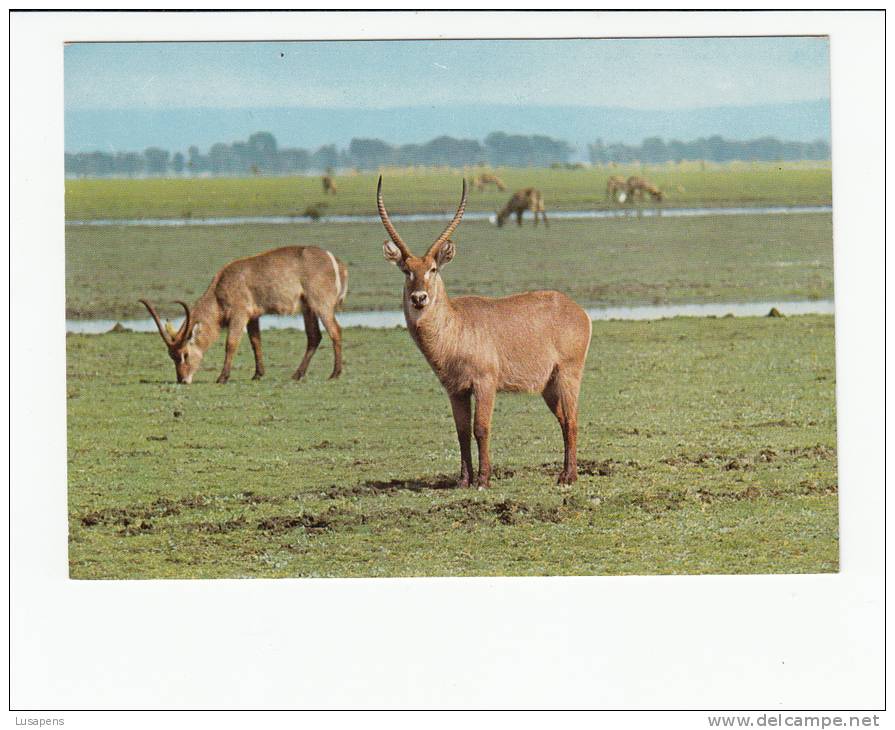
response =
{"points": [[597, 262], [707, 446], [438, 190]]}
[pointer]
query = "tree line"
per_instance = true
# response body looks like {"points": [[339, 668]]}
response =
{"points": [[260, 154], [655, 150]]}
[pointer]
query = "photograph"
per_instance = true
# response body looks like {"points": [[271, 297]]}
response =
{"points": [[450, 308]]}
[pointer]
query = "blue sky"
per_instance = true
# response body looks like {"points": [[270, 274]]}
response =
{"points": [[637, 74]]}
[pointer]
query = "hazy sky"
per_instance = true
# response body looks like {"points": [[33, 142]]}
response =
{"points": [[639, 74]]}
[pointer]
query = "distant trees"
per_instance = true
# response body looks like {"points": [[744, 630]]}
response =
{"points": [[516, 150], [716, 149], [260, 155], [156, 160]]}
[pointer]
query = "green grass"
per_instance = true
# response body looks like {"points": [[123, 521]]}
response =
{"points": [[599, 262], [439, 190], [706, 446]]}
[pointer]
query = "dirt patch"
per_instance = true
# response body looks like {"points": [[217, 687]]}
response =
{"points": [[662, 501], [780, 423], [253, 498], [284, 524], [708, 497], [217, 528], [818, 451], [806, 487], [106, 516], [129, 530], [161, 507], [686, 460], [590, 468], [391, 486], [471, 512], [739, 462]]}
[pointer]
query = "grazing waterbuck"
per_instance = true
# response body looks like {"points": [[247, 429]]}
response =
{"points": [[617, 188], [480, 181], [522, 200], [281, 281], [534, 342], [639, 186]]}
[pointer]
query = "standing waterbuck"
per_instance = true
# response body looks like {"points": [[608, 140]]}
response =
{"points": [[329, 185], [534, 342], [522, 200], [282, 281]]}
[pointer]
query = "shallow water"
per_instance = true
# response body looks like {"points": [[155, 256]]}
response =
{"points": [[387, 320], [472, 215]]}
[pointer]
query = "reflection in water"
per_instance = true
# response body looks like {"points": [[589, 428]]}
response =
{"points": [[387, 320], [469, 216]]}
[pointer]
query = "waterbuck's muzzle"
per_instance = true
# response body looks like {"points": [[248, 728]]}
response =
{"points": [[419, 299]]}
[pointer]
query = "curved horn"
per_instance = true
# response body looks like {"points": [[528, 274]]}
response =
{"points": [[383, 214], [161, 330], [184, 331], [433, 249]]}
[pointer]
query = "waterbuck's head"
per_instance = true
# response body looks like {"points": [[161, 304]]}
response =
{"points": [[182, 346], [422, 283]]}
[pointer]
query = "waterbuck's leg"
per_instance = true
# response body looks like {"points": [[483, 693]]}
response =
{"points": [[254, 328], [535, 212], [561, 396], [312, 331], [335, 333], [518, 217], [462, 407], [234, 335], [544, 216], [484, 407]]}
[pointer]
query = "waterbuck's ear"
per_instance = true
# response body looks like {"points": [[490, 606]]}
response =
{"points": [[392, 253], [445, 253], [169, 328], [195, 331]]}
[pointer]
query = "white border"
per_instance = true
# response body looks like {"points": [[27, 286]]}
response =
{"points": [[777, 642]]}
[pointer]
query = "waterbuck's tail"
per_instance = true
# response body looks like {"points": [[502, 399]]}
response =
{"points": [[343, 291]]}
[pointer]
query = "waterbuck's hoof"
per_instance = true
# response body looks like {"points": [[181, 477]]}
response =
{"points": [[257, 376], [222, 379], [463, 483], [297, 375], [567, 477], [335, 374], [482, 483]]}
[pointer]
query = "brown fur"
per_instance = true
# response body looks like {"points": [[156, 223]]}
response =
{"points": [[282, 281], [615, 185], [534, 342], [522, 200], [329, 185], [639, 186], [480, 181]]}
